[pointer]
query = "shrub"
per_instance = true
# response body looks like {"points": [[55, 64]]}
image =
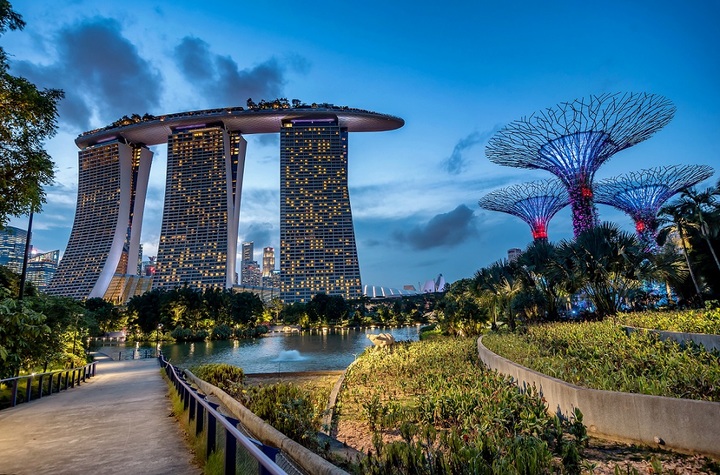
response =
{"points": [[221, 332], [227, 377], [288, 408]]}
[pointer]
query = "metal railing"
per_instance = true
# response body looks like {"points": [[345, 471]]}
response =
{"points": [[54, 380], [240, 453], [137, 354]]}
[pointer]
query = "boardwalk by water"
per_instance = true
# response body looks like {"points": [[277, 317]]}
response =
{"points": [[117, 422]]}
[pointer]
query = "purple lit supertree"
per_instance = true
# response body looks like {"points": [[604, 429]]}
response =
{"points": [[641, 194], [573, 139], [535, 203]]}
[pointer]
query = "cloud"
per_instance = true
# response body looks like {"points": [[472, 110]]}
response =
{"points": [[456, 163], [100, 71], [261, 234], [443, 230], [222, 78]]}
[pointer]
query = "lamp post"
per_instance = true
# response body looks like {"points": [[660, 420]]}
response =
{"points": [[23, 274], [157, 338]]}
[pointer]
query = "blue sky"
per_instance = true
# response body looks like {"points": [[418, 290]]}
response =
{"points": [[455, 72]]}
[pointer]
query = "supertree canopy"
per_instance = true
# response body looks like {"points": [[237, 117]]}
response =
{"points": [[535, 203], [572, 140], [641, 194]]}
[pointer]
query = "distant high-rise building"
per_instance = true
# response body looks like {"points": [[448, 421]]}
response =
{"points": [[12, 247], [105, 237], [317, 239], [248, 251], [249, 268], [198, 236], [268, 265], [513, 254], [41, 268]]}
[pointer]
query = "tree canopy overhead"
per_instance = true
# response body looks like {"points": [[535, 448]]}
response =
{"points": [[28, 117]]}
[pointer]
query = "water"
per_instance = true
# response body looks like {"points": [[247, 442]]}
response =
{"points": [[280, 352]]}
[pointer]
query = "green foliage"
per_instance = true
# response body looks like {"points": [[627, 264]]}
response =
{"points": [[689, 321], [221, 332], [227, 377], [21, 329], [600, 355], [288, 408], [185, 334], [451, 413], [28, 117]]}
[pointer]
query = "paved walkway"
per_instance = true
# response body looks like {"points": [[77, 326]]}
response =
{"points": [[116, 422]]}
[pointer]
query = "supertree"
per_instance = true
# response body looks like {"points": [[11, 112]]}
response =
{"points": [[641, 194], [534, 202], [574, 138]]}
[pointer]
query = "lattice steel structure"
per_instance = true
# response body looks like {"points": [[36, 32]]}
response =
{"points": [[572, 140], [534, 202], [641, 194]]}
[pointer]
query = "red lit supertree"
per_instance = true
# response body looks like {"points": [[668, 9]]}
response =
{"points": [[641, 194], [534, 202], [572, 140]]}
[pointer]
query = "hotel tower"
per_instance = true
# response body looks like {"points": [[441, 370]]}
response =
{"points": [[199, 229], [317, 240], [199, 232]]}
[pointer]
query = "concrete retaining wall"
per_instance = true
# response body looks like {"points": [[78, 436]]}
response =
{"points": [[682, 424], [710, 342], [267, 434]]}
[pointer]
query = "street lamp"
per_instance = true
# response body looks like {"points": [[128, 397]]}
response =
{"points": [[157, 338]]}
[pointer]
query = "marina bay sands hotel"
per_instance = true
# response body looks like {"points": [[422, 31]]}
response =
{"points": [[199, 230]]}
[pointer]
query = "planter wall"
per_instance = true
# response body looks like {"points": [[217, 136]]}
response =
{"points": [[681, 424]]}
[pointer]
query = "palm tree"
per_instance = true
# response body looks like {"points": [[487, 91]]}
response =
{"points": [[674, 221], [607, 263], [700, 204], [543, 270], [497, 286], [667, 268]]}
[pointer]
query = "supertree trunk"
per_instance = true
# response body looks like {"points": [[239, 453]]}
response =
{"points": [[584, 212]]}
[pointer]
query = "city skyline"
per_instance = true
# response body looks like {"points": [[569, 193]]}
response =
{"points": [[456, 77]]}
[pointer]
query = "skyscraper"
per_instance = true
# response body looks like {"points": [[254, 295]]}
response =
{"points": [[268, 265], [250, 270], [199, 231], [12, 247], [317, 239], [41, 268], [105, 237]]}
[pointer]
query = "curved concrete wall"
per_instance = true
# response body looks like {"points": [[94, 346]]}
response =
{"points": [[267, 434], [682, 424], [710, 342]]}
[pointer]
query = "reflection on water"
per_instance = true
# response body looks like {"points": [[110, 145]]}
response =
{"points": [[283, 352]]}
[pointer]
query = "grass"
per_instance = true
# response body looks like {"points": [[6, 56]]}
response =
{"points": [[600, 355]]}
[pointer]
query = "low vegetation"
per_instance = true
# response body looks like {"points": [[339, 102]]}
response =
{"points": [[294, 410], [431, 407], [690, 321], [601, 355]]}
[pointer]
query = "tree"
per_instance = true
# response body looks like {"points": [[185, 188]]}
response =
{"points": [[28, 116], [608, 263], [674, 221], [21, 329], [102, 316], [246, 308], [700, 205]]}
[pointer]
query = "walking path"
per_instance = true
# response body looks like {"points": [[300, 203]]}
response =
{"points": [[117, 422]]}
